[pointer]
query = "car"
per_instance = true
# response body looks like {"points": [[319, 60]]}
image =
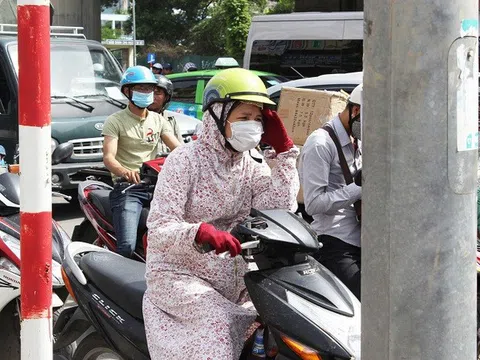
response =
{"points": [[188, 89], [188, 125], [333, 82]]}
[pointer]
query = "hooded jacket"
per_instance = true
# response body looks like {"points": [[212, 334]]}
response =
{"points": [[203, 181]]}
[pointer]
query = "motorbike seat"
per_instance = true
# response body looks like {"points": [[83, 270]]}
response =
{"points": [[122, 280], [101, 200]]}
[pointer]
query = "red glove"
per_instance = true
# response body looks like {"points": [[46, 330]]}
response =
{"points": [[221, 241], [274, 132]]}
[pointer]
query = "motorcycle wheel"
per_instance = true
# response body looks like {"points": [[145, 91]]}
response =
{"points": [[93, 347]]}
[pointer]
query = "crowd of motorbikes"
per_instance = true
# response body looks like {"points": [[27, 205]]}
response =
{"points": [[305, 311]]}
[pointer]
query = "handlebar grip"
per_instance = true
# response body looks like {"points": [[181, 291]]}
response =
{"points": [[203, 248]]}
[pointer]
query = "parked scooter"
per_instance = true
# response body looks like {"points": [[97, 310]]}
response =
{"points": [[307, 312], [10, 262], [97, 227]]}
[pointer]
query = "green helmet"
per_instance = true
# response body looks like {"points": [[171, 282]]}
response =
{"points": [[235, 84]]}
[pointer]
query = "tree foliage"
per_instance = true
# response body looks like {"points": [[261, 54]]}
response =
{"points": [[283, 7], [238, 19], [206, 27], [208, 36], [109, 33], [108, 3]]}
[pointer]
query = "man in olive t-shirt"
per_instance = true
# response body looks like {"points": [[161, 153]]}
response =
{"points": [[131, 137]]}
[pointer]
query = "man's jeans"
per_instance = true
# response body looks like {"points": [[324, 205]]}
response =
{"points": [[126, 209]]}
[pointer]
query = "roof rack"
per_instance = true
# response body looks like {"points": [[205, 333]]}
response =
{"points": [[55, 31]]}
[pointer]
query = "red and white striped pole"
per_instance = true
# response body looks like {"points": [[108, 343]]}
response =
{"points": [[35, 179]]}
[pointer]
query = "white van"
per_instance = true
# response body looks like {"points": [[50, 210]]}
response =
{"points": [[305, 44]]}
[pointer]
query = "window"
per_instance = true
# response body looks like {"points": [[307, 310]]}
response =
{"points": [[307, 57], [5, 93], [77, 69], [184, 91]]}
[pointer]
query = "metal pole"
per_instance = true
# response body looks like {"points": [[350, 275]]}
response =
{"points": [[35, 184], [419, 166], [134, 35]]}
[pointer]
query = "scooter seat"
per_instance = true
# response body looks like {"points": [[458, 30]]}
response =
{"points": [[122, 280], [101, 200]]}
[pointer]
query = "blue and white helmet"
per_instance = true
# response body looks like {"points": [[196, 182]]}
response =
{"points": [[137, 75]]}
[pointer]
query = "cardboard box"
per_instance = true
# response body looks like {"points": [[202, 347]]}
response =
{"points": [[304, 110]]}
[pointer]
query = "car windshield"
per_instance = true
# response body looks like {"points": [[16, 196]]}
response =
{"points": [[78, 70]]}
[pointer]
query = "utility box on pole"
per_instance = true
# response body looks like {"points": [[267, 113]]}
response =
{"points": [[419, 180]]}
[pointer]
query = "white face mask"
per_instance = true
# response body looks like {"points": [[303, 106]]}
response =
{"points": [[246, 135]]}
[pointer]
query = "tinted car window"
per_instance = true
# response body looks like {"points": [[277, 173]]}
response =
{"points": [[184, 90], [272, 80], [308, 57]]}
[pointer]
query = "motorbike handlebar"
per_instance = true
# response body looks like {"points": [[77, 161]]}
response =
{"points": [[57, 194], [143, 183], [206, 247], [245, 246]]}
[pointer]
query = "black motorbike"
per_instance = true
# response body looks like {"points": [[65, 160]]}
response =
{"points": [[307, 313]]}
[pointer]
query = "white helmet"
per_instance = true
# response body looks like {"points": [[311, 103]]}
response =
{"points": [[356, 97]]}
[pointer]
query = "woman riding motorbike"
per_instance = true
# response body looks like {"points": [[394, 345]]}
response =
{"points": [[195, 306]]}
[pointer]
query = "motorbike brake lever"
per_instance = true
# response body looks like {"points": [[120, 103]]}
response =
{"points": [[57, 194], [246, 245], [133, 185]]}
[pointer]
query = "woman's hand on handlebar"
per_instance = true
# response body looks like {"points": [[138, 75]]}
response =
{"points": [[132, 177], [217, 240]]}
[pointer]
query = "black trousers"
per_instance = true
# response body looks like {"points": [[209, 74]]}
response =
{"points": [[343, 259]]}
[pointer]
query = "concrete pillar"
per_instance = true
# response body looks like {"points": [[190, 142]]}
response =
{"points": [[84, 13], [419, 180]]}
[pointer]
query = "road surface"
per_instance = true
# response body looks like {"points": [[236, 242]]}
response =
{"points": [[66, 214]]}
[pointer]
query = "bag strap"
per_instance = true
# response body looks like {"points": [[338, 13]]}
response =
{"points": [[341, 156], [345, 169]]}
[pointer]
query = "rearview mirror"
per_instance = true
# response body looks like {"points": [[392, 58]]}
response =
{"points": [[62, 152]]}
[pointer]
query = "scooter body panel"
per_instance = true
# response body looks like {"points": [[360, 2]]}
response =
{"points": [[276, 293], [123, 332]]}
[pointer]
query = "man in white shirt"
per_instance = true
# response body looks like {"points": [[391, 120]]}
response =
{"points": [[330, 197]]}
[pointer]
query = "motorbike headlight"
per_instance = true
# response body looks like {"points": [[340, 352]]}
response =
{"points": [[54, 144], [346, 330]]}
